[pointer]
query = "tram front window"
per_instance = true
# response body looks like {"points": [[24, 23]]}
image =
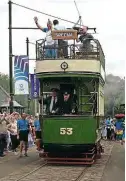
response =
{"points": [[59, 102]]}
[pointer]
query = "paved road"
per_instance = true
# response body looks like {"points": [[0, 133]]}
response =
{"points": [[11, 163], [115, 169]]}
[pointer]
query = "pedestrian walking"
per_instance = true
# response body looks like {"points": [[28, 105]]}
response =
{"points": [[23, 131]]}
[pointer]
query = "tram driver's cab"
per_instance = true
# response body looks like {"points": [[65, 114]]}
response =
{"points": [[66, 99], [74, 97]]}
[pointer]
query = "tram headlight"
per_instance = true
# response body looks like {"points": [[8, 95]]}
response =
{"points": [[64, 66]]}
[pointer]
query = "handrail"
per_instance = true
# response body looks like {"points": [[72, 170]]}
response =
{"points": [[90, 50]]}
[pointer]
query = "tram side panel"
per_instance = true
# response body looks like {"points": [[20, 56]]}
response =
{"points": [[70, 131]]}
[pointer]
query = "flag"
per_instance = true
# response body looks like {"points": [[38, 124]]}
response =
{"points": [[21, 75], [34, 86]]}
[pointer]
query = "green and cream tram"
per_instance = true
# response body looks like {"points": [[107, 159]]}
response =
{"points": [[72, 137]]}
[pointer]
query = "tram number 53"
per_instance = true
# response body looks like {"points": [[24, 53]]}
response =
{"points": [[68, 131]]}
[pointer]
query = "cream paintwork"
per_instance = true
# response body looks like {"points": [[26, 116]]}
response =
{"points": [[74, 65], [101, 100]]}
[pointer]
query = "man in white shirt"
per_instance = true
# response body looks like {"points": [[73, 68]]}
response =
{"points": [[53, 102], [57, 26], [61, 43]]}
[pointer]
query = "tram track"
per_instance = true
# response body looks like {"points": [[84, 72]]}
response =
{"points": [[41, 170], [31, 172], [81, 175]]}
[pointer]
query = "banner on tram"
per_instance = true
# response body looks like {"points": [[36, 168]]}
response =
{"points": [[34, 86], [21, 75]]}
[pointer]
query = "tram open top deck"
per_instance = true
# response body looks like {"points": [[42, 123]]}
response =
{"points": [[88, 61]]}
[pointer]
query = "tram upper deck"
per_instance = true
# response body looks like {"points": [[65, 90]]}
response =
{"points": [[70, 57]]}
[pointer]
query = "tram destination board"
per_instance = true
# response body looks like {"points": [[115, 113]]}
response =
{"points": [[64, 34]]}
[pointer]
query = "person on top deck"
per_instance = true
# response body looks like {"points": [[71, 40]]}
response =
{"points": [[57, 26], [37, 132], [23, 131], [53, 102], [50, 52], [61, 43], [85, 38]]}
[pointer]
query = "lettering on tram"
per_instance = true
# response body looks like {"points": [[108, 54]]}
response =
{"points": [[64, 131], [64, 34]]}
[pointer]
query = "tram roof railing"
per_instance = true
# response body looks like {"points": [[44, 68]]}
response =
{"points": [[92, 50]]}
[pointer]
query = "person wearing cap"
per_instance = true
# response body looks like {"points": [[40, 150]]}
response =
{"points": [[53, 102], [69, 104], [50, 52]]}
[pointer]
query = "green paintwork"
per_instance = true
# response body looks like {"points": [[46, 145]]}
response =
{"points": [[84, 130], [41, 75]]}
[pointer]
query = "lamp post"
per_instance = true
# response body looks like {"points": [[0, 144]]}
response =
{"points": [[10, 58], [27, 51]]}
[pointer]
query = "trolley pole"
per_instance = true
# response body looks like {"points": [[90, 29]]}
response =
{"points": [[27, 51], [10, 58]]}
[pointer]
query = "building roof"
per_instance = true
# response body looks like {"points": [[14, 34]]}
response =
{"points": [[15, 104], [5, 92], [5, 98]]}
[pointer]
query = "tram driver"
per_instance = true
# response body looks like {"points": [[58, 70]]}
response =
{"points": [[53, 103], [69, 103]]}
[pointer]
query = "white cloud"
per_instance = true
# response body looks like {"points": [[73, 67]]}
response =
{"points": [[106, 15]]}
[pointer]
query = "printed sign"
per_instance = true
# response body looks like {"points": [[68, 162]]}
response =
{"points": [[21, 75], [64, 34], [34, 86]]}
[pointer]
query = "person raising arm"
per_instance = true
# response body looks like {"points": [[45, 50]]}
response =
{"points": [[38, 25]]}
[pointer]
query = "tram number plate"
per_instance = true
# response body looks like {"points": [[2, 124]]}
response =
{"points": [[64, 131]]}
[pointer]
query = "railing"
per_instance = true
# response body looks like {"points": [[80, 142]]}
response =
{"points": [[90, 50], [87, 106]]}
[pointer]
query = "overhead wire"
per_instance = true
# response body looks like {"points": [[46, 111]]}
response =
{"points": [[31, 9]]}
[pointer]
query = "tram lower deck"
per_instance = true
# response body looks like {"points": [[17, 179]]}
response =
{"points": [[74, 130]]}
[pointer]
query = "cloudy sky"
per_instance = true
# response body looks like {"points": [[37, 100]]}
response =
{"points": [[106, 15]]}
